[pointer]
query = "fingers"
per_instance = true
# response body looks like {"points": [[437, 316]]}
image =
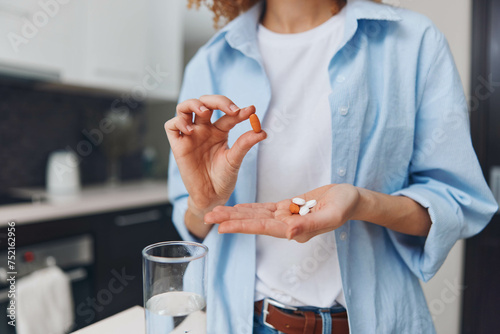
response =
{"points": [[182, 124], [176, 127], [242, 145], [271, 227], [268, 206], [186, 109], [255, 218], [227, 122], [221, 214], [219, 102], [203, 107]]}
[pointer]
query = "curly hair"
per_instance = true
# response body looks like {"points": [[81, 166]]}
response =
{"points": [[227, 10]]}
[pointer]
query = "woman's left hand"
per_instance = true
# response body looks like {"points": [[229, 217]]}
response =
{"points": [[336, 204]]}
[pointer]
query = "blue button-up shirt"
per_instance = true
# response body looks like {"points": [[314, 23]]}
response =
{"points": [[400, 126]]}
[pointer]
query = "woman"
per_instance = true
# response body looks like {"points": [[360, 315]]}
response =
{"points": [[363, 111]]}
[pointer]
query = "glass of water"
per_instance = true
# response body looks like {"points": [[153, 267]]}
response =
{"points": [[174, 281]]}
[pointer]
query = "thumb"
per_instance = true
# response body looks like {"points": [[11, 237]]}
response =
{"points": [[242, 145]]}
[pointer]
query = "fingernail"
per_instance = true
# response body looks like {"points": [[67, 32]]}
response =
{"points": [[234, 107], [189, 128], [203, 108]]}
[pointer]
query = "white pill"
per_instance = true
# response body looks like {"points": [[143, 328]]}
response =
{"points": [[310, 204], [304, 210], [299, 201]]}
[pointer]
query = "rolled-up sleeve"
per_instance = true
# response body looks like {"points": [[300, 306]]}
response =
{"points": [[444, 175], [196, 82]]}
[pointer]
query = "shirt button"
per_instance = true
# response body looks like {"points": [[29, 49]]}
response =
{"points": [[343, 110], [341, 171], [340, 78], [343, 236]]}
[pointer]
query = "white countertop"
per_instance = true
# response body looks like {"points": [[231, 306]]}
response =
{"points": [[130, 321], [91, 200]]}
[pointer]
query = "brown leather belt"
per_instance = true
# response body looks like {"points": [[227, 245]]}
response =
{"points": [[299, 322]]}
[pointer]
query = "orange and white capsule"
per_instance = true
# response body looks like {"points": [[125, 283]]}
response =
{"points": [[255, 123]]}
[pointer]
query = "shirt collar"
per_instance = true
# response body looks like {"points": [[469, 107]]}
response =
{"points": [[241, 33], [370, 10]]}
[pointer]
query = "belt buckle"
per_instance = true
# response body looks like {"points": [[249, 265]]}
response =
{"points": [[277, 304]]}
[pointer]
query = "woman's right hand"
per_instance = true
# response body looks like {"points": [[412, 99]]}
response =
{"points": [[208, 167]]}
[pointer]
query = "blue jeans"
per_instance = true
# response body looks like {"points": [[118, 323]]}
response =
{"points": [[260, 328]]}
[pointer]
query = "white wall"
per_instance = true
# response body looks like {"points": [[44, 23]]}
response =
{"points": [[444, 292], [453, 18]]}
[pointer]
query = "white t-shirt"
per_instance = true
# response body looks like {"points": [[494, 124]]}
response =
{"points": [[296, 158]]}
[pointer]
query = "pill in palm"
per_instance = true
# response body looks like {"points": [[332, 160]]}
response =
{"points": [[310, 204], [299, 201], [304, 210], [294, 208], [255, 123]]}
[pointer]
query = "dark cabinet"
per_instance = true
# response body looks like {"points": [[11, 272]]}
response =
{"points": [[114, 280], [481, 296], [121, 238], [482, 274]]}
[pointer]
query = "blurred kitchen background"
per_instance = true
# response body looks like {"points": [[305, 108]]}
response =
{"points": [[85, 88]]}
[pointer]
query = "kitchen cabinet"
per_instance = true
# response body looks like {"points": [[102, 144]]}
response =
{"points": [[119, 243], [165, 48], [118, 239], [36, 42], [131, 47], [116, 42]]}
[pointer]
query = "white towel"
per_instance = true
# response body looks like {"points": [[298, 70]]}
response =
{"points": [[44, 302]]}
